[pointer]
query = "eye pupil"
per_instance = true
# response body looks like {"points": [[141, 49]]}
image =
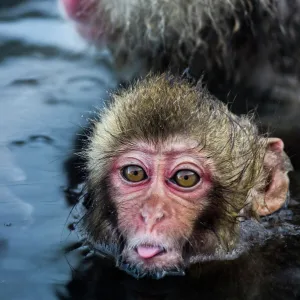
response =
{"points": [[135, 173], [186, 177]]}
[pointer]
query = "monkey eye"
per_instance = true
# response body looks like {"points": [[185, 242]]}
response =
{"points": [[133, 173], [186, 178]]}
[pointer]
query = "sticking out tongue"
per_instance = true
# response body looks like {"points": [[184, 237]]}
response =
{"points": [[148, 251]]}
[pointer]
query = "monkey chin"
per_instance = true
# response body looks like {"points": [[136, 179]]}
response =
{"points": [[150, 258], [167, 262]]}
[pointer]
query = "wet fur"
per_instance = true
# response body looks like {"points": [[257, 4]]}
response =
{"points": [[234, 36]]}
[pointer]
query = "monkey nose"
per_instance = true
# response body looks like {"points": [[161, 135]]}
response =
{"points": [[151, 218]]}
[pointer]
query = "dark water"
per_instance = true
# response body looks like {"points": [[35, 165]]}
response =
{"points": [[49, 85]]}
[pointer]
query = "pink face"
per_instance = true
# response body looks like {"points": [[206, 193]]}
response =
{"points": [[87, 17], [159, 194]]}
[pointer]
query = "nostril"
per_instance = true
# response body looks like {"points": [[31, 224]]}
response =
{"points": [[143, 217], [151, 217], [143, 213], [159, 216]]}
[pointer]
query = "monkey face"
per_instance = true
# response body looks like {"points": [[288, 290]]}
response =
{"points": [[170, 174], [159, 191]]}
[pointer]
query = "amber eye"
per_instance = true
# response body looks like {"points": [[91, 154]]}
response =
{"points": [[186, 178], [133, 173]]}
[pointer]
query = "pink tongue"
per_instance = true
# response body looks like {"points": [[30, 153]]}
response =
{"points": [[148, 252]]}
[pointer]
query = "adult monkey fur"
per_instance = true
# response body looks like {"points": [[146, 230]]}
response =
{"points": [[230, 34], [247, 50], [174, 178]]}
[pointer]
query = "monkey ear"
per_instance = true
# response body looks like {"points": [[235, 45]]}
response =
{"points": [[277, 163]]}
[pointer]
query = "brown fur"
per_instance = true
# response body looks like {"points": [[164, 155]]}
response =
{"points": [[161, 108]]}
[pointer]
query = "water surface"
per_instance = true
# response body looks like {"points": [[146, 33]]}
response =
{"points": [[48, 88]]}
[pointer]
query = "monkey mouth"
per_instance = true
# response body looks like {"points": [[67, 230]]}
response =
{"points": [[147, 251], [150, 259]]}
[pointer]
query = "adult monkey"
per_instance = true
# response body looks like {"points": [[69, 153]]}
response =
{"points": [[247, 50], [174, 178]]}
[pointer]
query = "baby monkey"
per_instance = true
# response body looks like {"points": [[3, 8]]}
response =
{"points": [[173, 178]]}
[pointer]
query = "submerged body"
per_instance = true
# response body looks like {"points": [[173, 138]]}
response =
{"points": [[174, 178]]}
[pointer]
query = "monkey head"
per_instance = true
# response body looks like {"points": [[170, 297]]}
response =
{"points": [[149, 28], [171, 175]]}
